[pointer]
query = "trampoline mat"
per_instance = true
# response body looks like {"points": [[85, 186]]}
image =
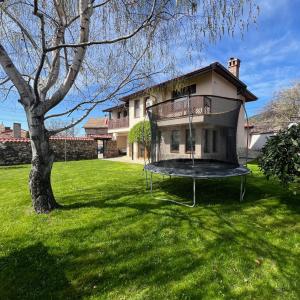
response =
{"points": [[202, 168]]}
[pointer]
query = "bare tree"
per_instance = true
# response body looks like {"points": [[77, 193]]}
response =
{"points": [[282, 110], [73, 55], [57, 124]]}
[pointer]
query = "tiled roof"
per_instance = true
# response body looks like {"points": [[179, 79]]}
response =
{"points": [[100, 136], [96, 123], [25, 140], [8, 133]]}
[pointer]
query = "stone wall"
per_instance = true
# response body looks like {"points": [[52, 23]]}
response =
{"points": [[110, 149], [18, 151]]}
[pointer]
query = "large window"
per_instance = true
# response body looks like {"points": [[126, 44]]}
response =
{"points": [[175, 140], [206, 141], [145, 105], [187, 90], [189, 143], [210, 141], [137, 108], [214, 141]]}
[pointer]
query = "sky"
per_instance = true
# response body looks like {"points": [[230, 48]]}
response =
{"points": [[269, 54]]}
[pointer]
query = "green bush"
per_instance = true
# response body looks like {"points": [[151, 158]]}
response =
{"points": [[281, 155], [140, 133]]}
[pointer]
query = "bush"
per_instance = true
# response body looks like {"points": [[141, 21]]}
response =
{"points": [[140, 133], [281, 155]]}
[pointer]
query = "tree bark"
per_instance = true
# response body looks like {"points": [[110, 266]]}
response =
{"points": [[42, 160]]}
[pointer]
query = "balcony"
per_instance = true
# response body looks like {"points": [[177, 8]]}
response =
{"points": [[199, 105], [118, 123]]}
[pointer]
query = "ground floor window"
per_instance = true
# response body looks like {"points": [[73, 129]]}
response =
{"points": [[190, 141], [175, 140], [210, 141], [206, 141], [214, 141]]}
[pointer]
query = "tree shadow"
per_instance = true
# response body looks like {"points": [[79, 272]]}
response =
{"points": [[208, 192], [25, 166], [166, 254], [33, 273]]}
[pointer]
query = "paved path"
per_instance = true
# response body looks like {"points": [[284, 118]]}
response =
{"points": [[125, 159]]}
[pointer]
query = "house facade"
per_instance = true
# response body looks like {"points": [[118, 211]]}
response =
{"points": [[96, 126], [220, 83]]}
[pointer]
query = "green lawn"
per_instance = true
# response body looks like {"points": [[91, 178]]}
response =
{"points": [[113, 240]]}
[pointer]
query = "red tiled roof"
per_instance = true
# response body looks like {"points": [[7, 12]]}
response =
{"points": [[26, 140], [8, 133], [96, 123], [100, 136]]}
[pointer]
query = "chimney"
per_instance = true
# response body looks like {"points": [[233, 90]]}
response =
{"points": [[234, 66], [17, 130]]}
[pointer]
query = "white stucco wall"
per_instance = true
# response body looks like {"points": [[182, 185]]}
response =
{"points": [[258, 140]]}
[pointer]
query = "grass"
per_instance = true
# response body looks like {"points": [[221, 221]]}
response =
{"points": [[113, 240]]}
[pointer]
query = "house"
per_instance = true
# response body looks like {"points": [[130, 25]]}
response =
{"points": [[213, 80], [96, 126], [15, 132]]}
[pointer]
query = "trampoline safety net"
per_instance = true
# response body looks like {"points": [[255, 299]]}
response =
{"points": [[194, 128]]}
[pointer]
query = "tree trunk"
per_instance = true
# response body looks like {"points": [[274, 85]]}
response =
{"points": [[42, 160]]}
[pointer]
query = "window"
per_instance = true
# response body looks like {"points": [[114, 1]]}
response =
{"points": [[188, 140], [206, 140], [119, 115], [187, 90], [210, 141], [175, 141], [145, 105], [207, 105], [214, 141], [125, 114], [137, 108]]}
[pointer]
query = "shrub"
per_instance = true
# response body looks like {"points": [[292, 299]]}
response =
{"points": [[140, 133], [281, 155]]}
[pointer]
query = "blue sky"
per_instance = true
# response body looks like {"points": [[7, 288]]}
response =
{"points": [[269, 53]]}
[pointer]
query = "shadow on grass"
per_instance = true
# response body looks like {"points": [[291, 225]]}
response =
{"points": [[32, 273], [25, 166], [186, 257], [208, 192]]}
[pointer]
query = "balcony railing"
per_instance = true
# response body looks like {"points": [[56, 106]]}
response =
{"points": [[177, 108], [118, 123]]}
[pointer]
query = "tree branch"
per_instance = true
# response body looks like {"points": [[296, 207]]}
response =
{"points": [[146, 23], [14, 75], [58, 96], [40, 67]]}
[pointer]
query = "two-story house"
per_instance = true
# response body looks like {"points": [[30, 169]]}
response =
{"points": [[213, 80]]}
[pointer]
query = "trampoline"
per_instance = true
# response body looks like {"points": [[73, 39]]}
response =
{"points": [[195, 136]]}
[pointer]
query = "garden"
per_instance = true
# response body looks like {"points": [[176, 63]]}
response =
{"points": [[113, 240]]}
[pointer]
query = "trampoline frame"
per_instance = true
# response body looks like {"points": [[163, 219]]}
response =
{"points": [[194, 202]]}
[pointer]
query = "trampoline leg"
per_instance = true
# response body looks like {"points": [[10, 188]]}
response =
{"points": [[146, 174], [151, 182], [243, 188], [194, 192]]}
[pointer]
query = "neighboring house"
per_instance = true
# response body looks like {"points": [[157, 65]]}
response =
{"points": [[214, 80], [96, 126], [256, 136], [15, 132]]}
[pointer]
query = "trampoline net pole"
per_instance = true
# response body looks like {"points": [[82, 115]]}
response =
{"points": [[190, 128]]}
